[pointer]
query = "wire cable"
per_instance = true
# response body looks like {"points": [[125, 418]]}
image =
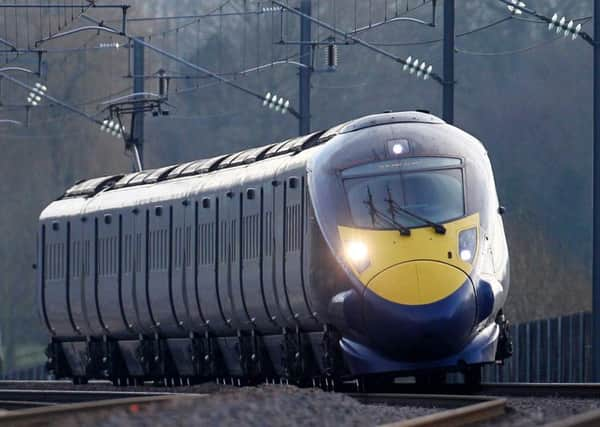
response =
{"points": [[187, 24], [426, 42], [515, 51]]}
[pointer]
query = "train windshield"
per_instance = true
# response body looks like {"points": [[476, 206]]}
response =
{"points": [[436, 195]]}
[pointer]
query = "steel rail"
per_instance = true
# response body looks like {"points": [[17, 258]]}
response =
{"points": [[54, 396], [460, 410], [43, 415], [574, 390]]}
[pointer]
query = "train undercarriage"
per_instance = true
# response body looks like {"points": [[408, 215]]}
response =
{"points": [[313, 359], [248, 358]]}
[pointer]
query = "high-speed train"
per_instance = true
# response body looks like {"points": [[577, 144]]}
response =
{"points": [[373, 249]]}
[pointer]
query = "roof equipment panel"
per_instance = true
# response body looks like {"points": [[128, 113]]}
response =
{"points": [[159, 174], [253, 154], [178, 170], [227, 161], [274, 150], [123, 182], [140, 177], [208, 165], [92, 186]]}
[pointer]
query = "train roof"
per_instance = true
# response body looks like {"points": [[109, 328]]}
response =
{"points": [[90, 187]]}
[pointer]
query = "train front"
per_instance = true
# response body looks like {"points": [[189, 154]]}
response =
{"points": [[408, 206]]}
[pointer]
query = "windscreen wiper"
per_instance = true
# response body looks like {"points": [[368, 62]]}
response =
{"points": [[377, 215], [439, 228]]}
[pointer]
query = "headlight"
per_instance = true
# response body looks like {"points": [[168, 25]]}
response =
{"points": [[397, 147], [358, 254], [467, 244]]}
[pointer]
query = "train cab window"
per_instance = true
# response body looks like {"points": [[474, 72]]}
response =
{"points": [[434, 194]]}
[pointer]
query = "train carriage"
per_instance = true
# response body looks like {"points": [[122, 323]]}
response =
{"points": [[373, 248]]}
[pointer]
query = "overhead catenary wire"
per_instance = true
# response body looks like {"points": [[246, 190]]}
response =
{"points": [[520, 50], [196, 67], [189, 23], [433, 41], [509, 52], [275, 61]]}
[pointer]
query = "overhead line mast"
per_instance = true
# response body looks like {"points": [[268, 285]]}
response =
{"points": [[305, 72], [448, 74]]}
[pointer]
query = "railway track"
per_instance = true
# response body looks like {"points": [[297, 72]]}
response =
{"points": [[22, 407], [42, 402], [466, 408], [571, 390], [459, 410], [556, 390]]}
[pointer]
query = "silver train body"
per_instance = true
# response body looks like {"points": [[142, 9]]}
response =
{"points": [[234, 266]]}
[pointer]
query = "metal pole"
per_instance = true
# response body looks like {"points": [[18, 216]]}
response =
{"points": [[305, 72], [448, 75], [137, 119], [596, 203]]}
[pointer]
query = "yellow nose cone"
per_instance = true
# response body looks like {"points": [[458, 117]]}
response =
{"points": [[417, 282]]}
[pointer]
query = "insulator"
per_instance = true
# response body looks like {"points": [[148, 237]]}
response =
{"points": [[577, 31], [414, 66], [560, 25], [332, 56], [553, 22]]}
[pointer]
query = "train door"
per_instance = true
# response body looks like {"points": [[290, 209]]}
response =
{"points": [[136, 307], [293, 243], [252, 255], [55, 278], [159, 288], [109, 303], [275, 292], [80, 275], [88, 284], [182, 274], [229, 280], [207, 289]]}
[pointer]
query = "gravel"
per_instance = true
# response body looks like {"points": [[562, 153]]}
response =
{"points": [[279, 405], [261, 406]]}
